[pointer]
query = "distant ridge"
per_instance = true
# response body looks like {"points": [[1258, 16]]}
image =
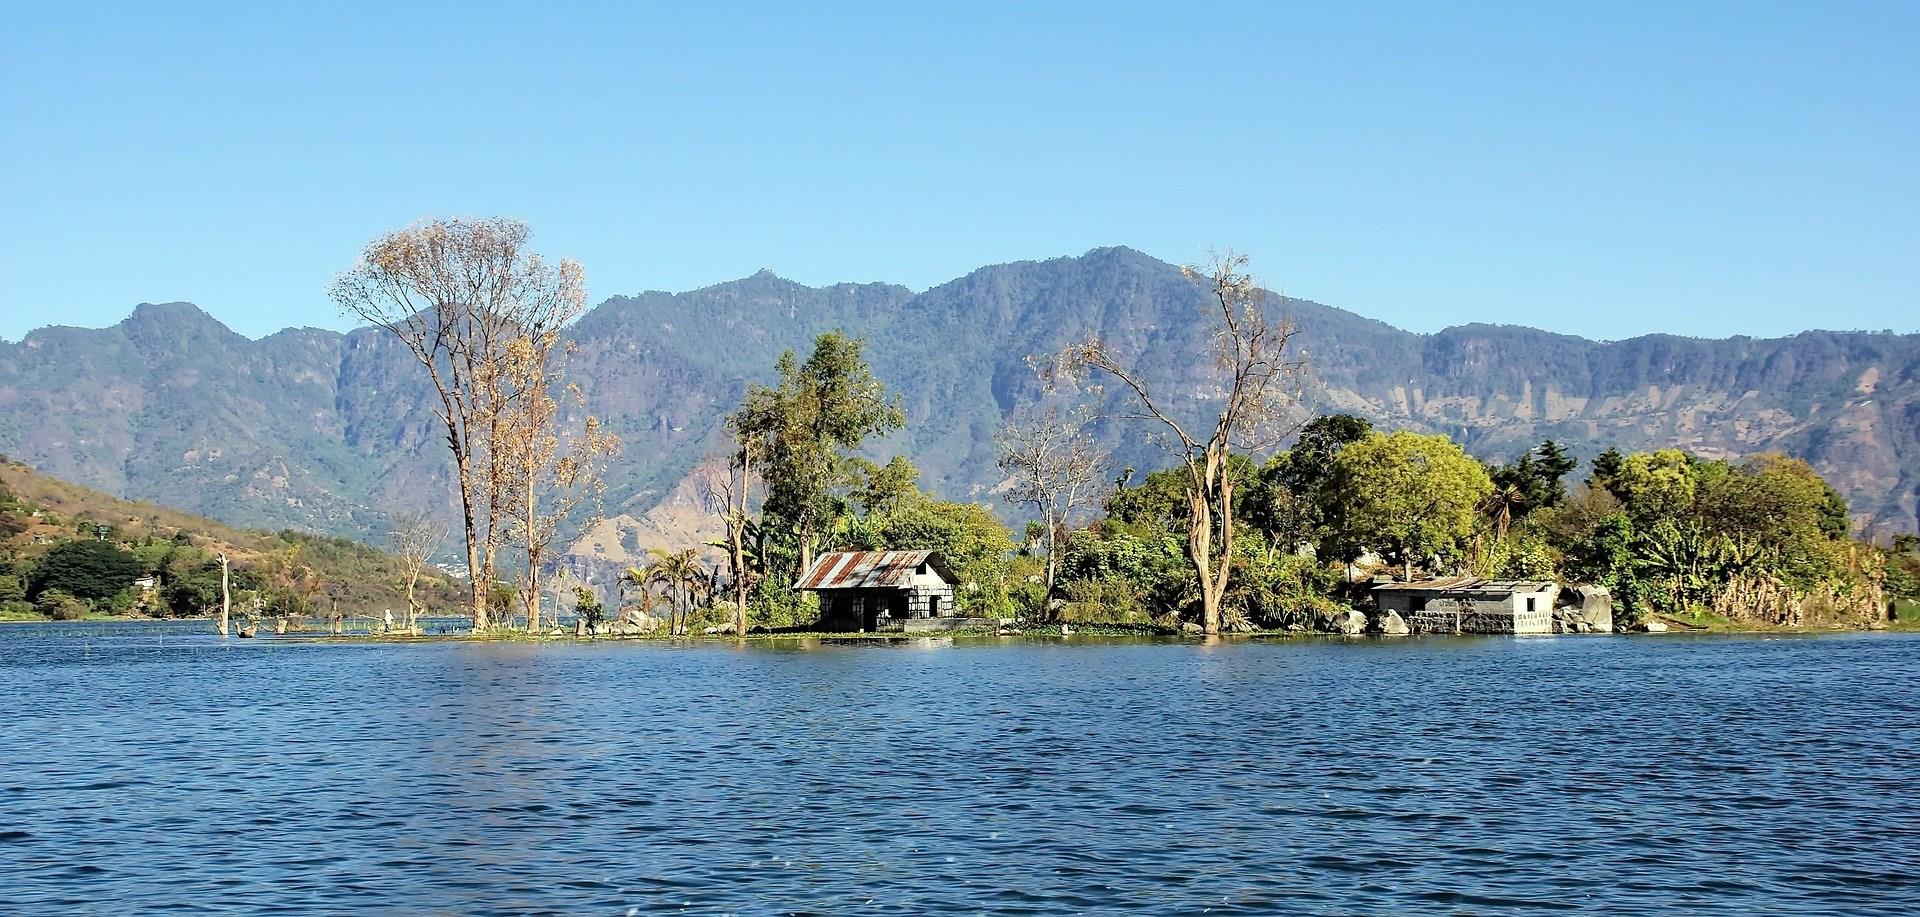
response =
{"points": [[328, 431]]}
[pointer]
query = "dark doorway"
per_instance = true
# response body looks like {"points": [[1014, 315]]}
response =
{"points": [[933, 606]]}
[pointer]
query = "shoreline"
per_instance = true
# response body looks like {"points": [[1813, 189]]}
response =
{"points": [[1675, 627]]}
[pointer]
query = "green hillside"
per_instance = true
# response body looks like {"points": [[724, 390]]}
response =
{"points": [[68, 551]]}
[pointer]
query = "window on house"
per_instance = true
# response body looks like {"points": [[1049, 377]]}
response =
{"points": [[923, 568], [1529, 603], [1417, 603]]}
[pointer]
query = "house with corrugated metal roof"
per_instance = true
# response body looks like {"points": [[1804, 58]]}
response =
{"points": [[1471, 605], [880, 590]]}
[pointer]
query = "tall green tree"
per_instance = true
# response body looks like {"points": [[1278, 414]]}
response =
{"points": [[1291, 500], [1606, 470], [1535, 481], [886, 487], [806, 428], [1410, 493]]}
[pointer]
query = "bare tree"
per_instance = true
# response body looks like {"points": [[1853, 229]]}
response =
{"points": [[1256, 385], [728, 495], [1053, 466], [456, 294], [415, 538], [547, 473]]}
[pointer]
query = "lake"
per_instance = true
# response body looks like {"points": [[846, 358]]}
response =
{"points": [[151, 767]]}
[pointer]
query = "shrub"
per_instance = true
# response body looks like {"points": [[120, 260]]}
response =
{"points": [[1110, 600], [587, 606], [60, 606], [1278, 589]]}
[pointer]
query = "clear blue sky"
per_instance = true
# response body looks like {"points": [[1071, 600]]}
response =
{"points": [[1603, 169]]}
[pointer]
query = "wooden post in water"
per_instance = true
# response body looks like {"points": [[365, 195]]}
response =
{"points": [[226, 595]]}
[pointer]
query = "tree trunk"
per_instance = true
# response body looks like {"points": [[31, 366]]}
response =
{"points": [[533, 602], [739, 589], [806, 551], [532, 518], [1200, 557], [226, 596], [1225, 568], [477, 582], [1203, 481], [413, 618], [487, 550], [1053, 564], [739, 539]]}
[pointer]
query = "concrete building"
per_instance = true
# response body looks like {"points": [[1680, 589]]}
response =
{"points": [[1471, 605], [881, 590]]}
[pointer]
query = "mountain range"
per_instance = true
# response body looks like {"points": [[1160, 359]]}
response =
{"points": [[326, 431]]}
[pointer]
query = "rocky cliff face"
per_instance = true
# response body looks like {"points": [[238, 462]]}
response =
{"points": [[326, 431]]}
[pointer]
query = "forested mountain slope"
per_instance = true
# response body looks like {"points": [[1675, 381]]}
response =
{"points": [[328, 431]]}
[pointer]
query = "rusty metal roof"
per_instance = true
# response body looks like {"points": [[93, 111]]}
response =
{"points": [[1474, 584], [869, 569]]}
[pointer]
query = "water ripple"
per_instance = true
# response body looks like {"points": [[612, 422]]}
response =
{"points": [[149, 768]]}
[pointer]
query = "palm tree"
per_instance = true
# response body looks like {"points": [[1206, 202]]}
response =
{"points": [[681, 572], [637, 578], [1501, 504]]}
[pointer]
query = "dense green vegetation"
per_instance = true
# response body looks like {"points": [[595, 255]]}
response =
{"points": [[1760, 541], [67, 552]]}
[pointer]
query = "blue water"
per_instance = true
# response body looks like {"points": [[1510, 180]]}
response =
{"points": [[152, 768]]}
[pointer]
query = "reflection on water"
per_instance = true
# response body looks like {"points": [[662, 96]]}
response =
{"points": [[153, 766]]}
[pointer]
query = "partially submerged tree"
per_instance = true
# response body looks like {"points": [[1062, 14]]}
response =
{"points": [[414, 538], [1255, 386], [226, 592], [457, 294], [1054, 466]]}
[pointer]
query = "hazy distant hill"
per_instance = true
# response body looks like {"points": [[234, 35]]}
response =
{"points": [[328, 431]]}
